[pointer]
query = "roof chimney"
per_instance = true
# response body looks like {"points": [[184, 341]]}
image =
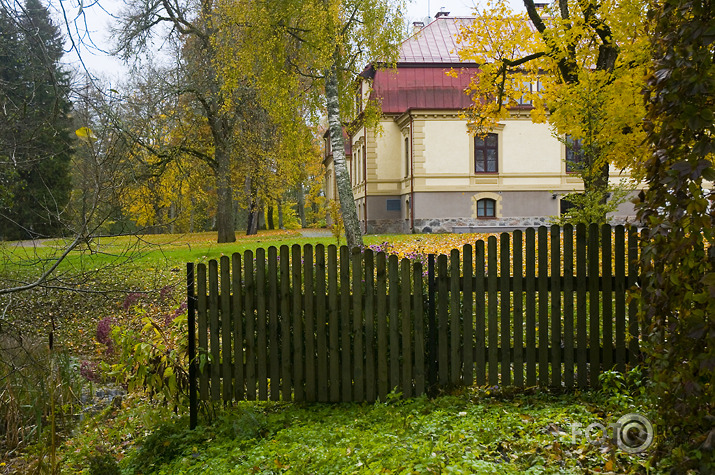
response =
{"points": [[441, 13], [417, 26], [541, 6]]}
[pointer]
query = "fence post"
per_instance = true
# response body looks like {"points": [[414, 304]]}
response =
{"points": [[191, 306]]}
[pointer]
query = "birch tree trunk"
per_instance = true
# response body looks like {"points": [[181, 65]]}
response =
{"points": [[353, 234]]}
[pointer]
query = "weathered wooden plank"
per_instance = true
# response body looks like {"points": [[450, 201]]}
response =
{"points": [[568, 307], [382, 366], [346, 374], [505, 307], [297, 323], [214, 331], [261, 341], [555, 307], [203, 330], [492, 302], [225, 296], [455, 365], [285, 332], [594, 298], [321, 323], [358, 328], [250, 325], [369, 317], [419, 318], [581, 323], [191, 322], [480, 313], [273, 325], [311, 393], [405, 296], [607, 297], [394, 343], [468, 315], [237, 314], [633, 267], [333, 325], [543, 287], [443, 322], [620, 291], [530, 283], [518, 298]]}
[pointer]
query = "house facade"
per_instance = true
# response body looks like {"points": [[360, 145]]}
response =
{"points": [[425, 172]]}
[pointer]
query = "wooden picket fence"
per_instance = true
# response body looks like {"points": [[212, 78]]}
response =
{"points": [[544, 307]]}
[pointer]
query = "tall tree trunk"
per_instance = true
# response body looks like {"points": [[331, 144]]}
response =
{"points": [[252, 224], [269, 217], [280, 214], [353, 233], [301, 205], [225, 220]]}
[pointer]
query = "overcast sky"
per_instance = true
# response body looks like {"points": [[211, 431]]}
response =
{"points": [[98, 22]]}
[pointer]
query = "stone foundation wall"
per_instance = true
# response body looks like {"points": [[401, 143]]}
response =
{"points": [[465, 225]]}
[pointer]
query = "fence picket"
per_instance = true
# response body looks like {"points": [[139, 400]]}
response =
{"points": [[568, 307], [250, 326], [237, 315], [225, 296], [620, 291], [203, 329], [606, 297], [346, 376], [530, 282], [321, 341], [406, 315], [543, 287], [594, 317], [581, 325], [442, 320], [298, 375], [468, 317], [261, 342], [333, 325], [492, 301], [382, 370], [310, 313], [455, 336], [518, 298], [505, 308], [214, 331], [370, 376], [419, 372], [556, 307], [358, 327], [273, 343]]}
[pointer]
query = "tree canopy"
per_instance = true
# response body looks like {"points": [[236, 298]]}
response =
{"points": [[580, 65], [35, 139]]}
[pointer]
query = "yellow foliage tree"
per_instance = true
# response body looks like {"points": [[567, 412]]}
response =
{"points": [[580, 64]]}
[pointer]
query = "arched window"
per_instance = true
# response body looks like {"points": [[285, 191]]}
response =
{"points": [[486, 208]]}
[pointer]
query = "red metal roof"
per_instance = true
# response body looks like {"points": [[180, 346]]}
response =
{"points": [[420, 81], [422, 88]]}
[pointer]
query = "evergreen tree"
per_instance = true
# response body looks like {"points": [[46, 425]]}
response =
{"points": [[35, 142]]}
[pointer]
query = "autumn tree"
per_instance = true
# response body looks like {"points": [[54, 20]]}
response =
{"points": [[678, 297], [194, 25], [307, 54], [580, 64]]}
